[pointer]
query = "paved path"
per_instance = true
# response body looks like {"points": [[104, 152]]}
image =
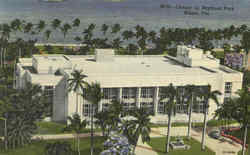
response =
{"points": [[221, 147], [63, 136], [144, 149]]}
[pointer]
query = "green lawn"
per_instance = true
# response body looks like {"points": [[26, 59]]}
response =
{"points": [[239, 134], [37, 147], [239, 153], [56, 128], [158, 144]]}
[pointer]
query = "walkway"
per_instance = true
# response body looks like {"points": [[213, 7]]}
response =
{"points": [[63, 136]]}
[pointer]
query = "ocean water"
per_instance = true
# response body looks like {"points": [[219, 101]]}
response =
{"points": [[128, 13]]}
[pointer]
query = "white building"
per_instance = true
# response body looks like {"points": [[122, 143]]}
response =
{"points": [[135, 80]]}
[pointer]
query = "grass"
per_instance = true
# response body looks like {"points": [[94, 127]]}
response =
{"points": [[57, 128], [158, 144], [210, 123], [37, 147], [239, 134], [219, 54]]}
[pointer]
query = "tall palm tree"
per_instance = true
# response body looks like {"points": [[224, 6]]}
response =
{"points": [[208, 95], [141, 126], [171, 94], [93, 95], [241, 112], [77, 84], [190, 93], [76, 125]]}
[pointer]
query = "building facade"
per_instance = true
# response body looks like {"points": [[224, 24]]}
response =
{"points": [[136, 81]]}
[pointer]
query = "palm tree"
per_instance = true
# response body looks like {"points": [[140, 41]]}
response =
{"points": [[77, 84], [16, 25], [76, 125], [5, 35], [55, 23], [64, 29], [41, 25], [28, 27], [104, 28], [207, 94], [190, 91], [58, 148], [245, 43], [241, 112], [140, 126], [76, 22], [117, 43], [170, 93], [115, 28], [93, 95], [47, 34]]}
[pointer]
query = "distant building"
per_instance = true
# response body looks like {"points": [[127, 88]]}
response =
{"points": [[137, 81], [234, 60]]}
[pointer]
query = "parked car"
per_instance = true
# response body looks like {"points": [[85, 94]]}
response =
{"points": [[215, 134]]}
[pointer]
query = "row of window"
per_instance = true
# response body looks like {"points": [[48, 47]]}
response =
{"points": [[180, 108], [146, 92]]}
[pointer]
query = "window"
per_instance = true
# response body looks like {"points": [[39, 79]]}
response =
{"points": [[128, 93], [147, 92], [228, 91], [110, 93], [148, 105], [127, 107], [199, 106], [161, 93], [87, 110], [228, 87], [161, 107], [49, 93]]}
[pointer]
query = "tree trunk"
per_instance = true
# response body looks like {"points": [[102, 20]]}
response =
{"points": [[245, 139], [76, 103], [19, 53], [1, 57], [78, 145], [189, 118], [5, 134], [204, 130], [168, 135], [4, 53], [92, 134]]}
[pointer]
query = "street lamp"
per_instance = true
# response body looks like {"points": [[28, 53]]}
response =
{"points": [[5, 131]]}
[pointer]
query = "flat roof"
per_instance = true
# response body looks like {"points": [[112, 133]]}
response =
{"points": [[140, 70], [131, 71]]}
